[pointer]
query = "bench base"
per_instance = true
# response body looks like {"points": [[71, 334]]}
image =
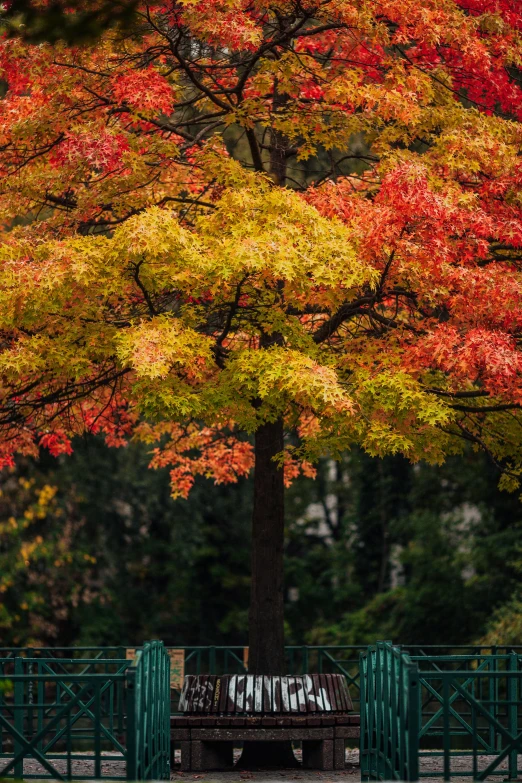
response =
{"points": [[205, 748]]}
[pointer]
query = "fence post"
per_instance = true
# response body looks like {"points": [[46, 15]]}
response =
{"points": [[446, 726], [379, 655], [18, 769], [495, 739], [370, 715], [512, 690], [97, 709], [363, 741], [387, 767], [120, 691], [166, 717], [165, 684], [131, 724], [30, 696], [413, 724]]}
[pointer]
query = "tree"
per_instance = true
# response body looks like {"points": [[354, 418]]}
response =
{"points": [[449, 550], [40, 563], [299, 221], [94, 551], [73, 21]]}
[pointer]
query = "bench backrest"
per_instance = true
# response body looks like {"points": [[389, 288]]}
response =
{"points": [[233, 694]]}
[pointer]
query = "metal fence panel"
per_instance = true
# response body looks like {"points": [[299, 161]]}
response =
{"points": [[148, 711], [53, 720], [85, 717], [478, 721], [389, 714], [444, 716]]}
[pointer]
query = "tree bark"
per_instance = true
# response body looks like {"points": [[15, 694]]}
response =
{"points": [[266, 620]]}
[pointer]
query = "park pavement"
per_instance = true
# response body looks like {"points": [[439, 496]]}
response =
{"points": [[113, 765]]}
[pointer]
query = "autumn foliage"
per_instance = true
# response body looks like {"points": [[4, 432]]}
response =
{"points": [[242, 211]]}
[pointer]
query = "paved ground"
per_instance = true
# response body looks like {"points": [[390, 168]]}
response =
{"points": [[113, 765], [110, 766], [351, 774]]}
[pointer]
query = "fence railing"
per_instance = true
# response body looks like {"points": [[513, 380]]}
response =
{"points": [[217, 660], [300, 659], [449, 715], [68, 718], [481, 709]]}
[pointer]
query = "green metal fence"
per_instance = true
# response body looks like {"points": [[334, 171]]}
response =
{"points": [[73, 718], [302, 659], [448, 715], [390, 715], [148, 714], [63, 652], [221, 660]]}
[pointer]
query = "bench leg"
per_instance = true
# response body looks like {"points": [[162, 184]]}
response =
{"points": [[339, 754], [211, 755], [318, 754], [185, 755]]}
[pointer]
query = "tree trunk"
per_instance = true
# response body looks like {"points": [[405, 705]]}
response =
{"points": [[266, 620]]}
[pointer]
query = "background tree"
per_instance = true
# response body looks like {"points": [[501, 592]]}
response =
{"points": [[73, 21], [369, 294], [142, 565], [94, 551]]}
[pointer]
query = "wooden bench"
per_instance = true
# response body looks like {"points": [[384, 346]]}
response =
{"points": [[220, 712]]}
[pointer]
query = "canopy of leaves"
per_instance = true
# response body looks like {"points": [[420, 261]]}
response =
{"points": [[235, 212]]}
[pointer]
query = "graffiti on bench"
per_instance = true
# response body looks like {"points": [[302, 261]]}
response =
{"points": [[249, 693]]}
